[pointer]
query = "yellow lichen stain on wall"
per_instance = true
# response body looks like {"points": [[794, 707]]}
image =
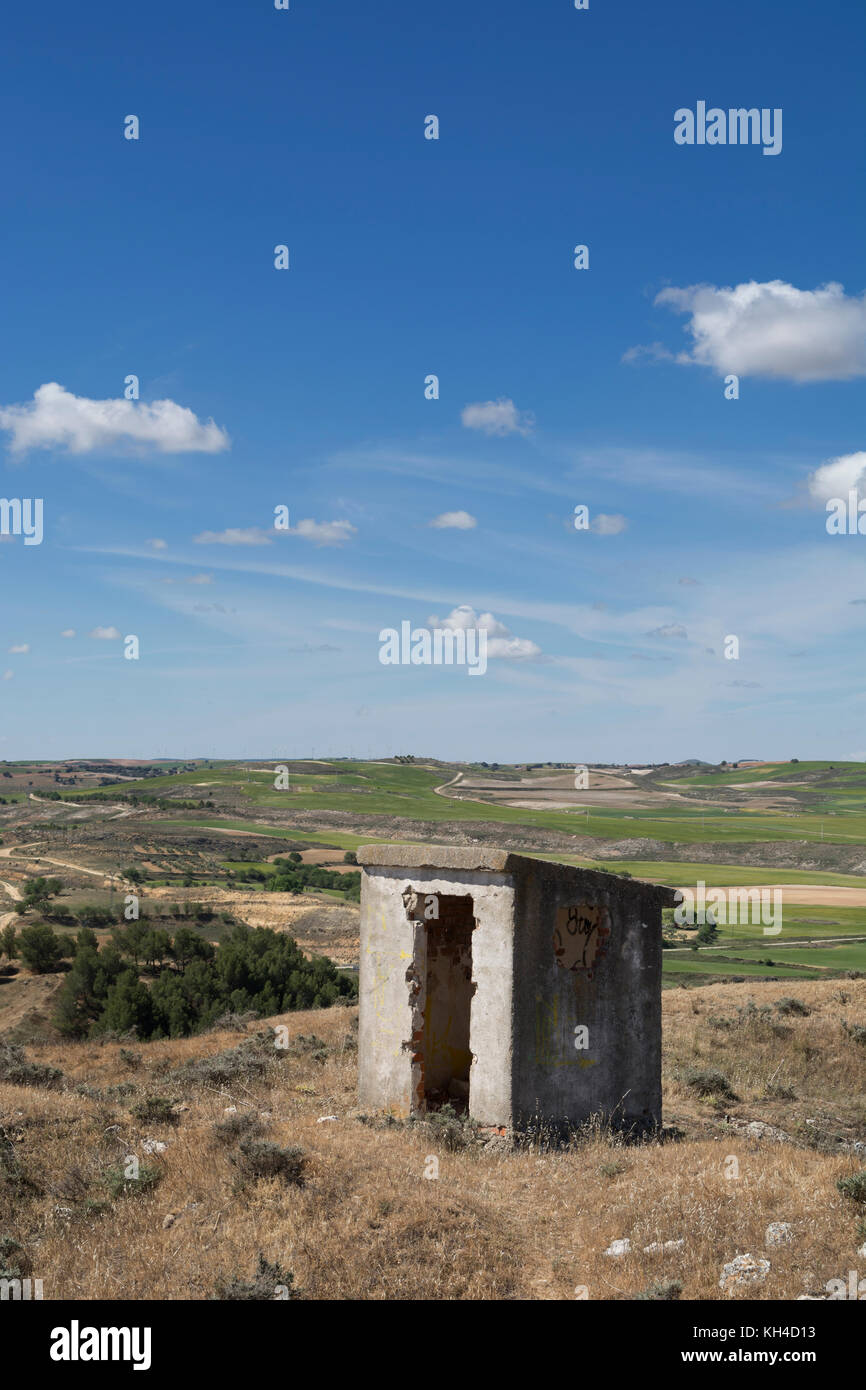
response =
{"points": [[549, 1051]]}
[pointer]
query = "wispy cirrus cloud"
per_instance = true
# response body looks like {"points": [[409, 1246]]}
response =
{"points": [[319, 532], [234, 535], [323, 532], [58, 419], [192, 579]]}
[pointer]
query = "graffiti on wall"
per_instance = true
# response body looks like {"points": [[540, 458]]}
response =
{"points": [[580, 937]]}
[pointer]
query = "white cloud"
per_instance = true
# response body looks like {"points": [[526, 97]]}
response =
{"points": [[7, 675], [157, 544], [656, 352], [497, 417], [772, 329], [250, 535], [105, 634], [668, 630], [68, 632], [20, 649], [501, 642], [837, 477], [608, 525], [324, 532], [457, 521], [57, 419]]}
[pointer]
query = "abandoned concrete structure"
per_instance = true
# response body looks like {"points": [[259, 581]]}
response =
{"points": [[525, 990]]}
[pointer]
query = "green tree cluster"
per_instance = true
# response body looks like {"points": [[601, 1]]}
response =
{"points": [[191, 982]]}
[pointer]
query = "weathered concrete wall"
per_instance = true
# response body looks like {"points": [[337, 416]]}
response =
{"points": [[392, 984], [555, 950], [588, 947]]}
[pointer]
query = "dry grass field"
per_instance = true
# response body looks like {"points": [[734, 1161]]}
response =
{"points": [[356, 1216]]}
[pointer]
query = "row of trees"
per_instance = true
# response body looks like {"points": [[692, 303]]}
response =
{"points": [[290, 875], [294, 878], [42, 949]]}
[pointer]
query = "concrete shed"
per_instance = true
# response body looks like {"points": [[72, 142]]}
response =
{"points": [[522, 990]]}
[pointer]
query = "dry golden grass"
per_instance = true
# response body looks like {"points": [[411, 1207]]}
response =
{"points": [[368, 1224]]}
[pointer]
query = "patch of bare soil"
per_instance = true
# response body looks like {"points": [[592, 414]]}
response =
{"points": [[26, 1005], [319, 926]]}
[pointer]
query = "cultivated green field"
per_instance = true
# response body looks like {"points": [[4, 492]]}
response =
{"points": [[703, 964], [398, 790], [773, 772], [679, 875], [825, 802]]}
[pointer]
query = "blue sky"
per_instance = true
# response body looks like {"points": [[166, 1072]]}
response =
{"points": [[408, 256]]}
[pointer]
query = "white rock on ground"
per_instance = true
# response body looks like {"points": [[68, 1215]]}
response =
{"points": [[757, 1129], [618, 1247], [742, 1271], [779, 1233]]}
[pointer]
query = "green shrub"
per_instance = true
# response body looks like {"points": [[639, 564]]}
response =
{"points": [[708, 1081], [778, 1090], [269, 1282], [235, 1127], [309, 1046], [14, 1263], [854, 1186], [259, 1158], [119, 1185], [250, 1059], [663, 1292], [155, 1110], [789, 1005], [18, 1070], [454, 1131]]}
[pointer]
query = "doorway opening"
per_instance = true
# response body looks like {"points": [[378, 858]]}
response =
{"points": [[448, 1002]]}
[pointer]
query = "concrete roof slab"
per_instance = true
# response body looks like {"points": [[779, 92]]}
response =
{"points": [[481, 859]]}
